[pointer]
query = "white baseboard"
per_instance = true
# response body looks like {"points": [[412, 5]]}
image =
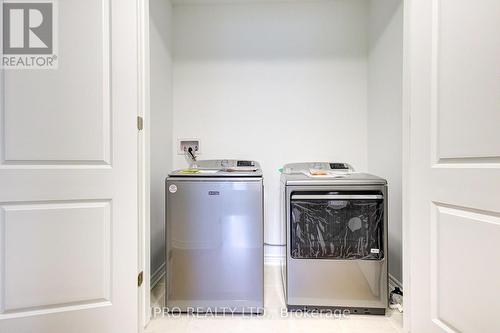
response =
{"points": [[273, 255], [393, 283], [157, 275], [273, 260]]}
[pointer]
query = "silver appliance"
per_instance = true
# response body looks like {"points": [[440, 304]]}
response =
{"points": [[214, 236], [335, 227]]}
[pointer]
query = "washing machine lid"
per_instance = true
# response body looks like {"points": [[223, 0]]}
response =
{"points": [[221, 168], [335, 173]]}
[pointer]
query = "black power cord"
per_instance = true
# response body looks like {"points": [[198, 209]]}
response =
{"points": [[190, 152], [397, 291]]}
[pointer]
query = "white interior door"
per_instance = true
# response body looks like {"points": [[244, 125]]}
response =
{"points": [[453, 85], [68, 178]]}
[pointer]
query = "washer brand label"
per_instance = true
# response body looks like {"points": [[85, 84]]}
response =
{"points": [[377, 251], [172, 188], [213, 193]]}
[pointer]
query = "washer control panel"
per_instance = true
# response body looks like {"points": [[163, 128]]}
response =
{"points": [[245, 163]]}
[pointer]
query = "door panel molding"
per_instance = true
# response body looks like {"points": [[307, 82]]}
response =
{"points": [[68, 265], [464, 153], [468, 162], [455, 239], [103, 157]]}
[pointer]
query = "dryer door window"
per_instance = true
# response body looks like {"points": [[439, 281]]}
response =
{"points": [[337, 226]]}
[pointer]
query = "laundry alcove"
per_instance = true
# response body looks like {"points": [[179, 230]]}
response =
{"points": [[276, 81]]}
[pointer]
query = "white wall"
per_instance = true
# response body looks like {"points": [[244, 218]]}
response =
{"points": [[385, 112], [272, 81], [161, 123]]}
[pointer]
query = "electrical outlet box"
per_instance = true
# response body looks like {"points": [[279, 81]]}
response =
{"points": [[184, 144]]}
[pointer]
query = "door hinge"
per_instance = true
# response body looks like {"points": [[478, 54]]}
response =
{"points": [[140, 123], [140, 278]]}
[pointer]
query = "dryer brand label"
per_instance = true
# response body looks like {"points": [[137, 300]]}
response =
{"points": [[377, 251], [213, 193], [172, 188]]}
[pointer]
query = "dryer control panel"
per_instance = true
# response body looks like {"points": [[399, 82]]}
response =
{"points": [[340, 166]]}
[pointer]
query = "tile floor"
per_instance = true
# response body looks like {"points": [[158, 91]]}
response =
{"points": [[272, 321]]}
